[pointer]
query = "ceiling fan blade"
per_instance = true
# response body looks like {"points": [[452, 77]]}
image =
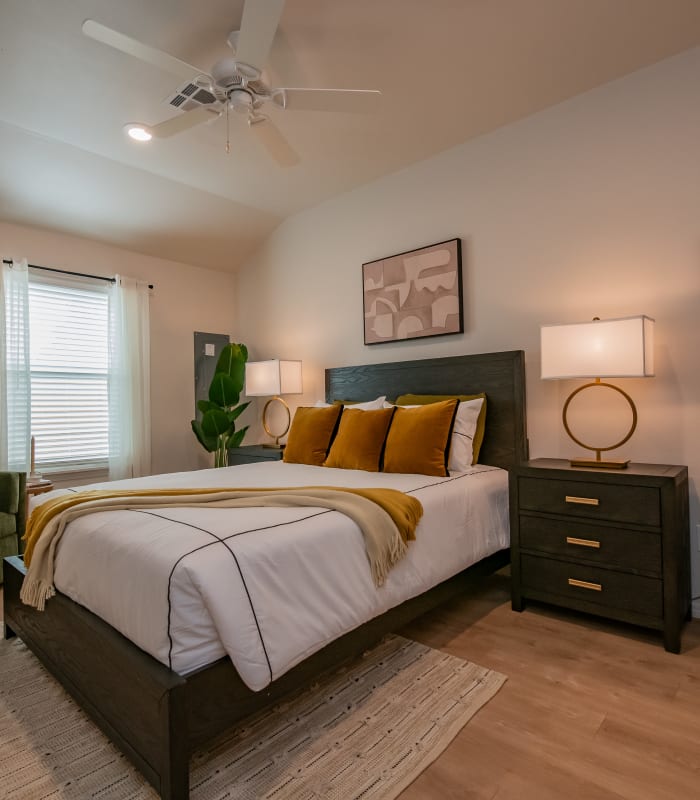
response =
{"points": [[270, 136], [348, 100], [258, 27], [132, 47], [182, 122]]}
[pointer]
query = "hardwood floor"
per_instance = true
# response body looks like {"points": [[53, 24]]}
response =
{"points": [[591, 710]]}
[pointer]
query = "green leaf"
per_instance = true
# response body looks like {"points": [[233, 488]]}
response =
{"points": [[208, 442], [232, 363], [236, 412], [223, 391], [237, 374], [205, 405], [237, 438], [215, 422]]}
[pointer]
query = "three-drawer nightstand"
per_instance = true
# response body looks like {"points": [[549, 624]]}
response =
{"points": [[611, 543], [250, 453]]}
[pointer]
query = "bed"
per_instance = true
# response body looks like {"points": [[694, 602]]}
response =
{"points": [[164, 711]]}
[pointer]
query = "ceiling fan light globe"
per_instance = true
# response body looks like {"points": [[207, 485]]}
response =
{"points": [[138, 132], [240, 100]]}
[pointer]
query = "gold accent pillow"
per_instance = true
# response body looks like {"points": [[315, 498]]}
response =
{"points": [[419, 439], [469, 424], [311, 435], [360, 440]]}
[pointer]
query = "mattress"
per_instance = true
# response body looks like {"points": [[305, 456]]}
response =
{"points": [[266, 586]]}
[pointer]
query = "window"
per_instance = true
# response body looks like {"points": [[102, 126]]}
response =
{"points": [[69, 364], [74, 371]]}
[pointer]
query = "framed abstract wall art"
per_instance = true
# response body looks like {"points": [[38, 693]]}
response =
{"points": [[415, 294]]}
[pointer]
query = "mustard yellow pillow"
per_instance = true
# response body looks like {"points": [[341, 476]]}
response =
{"points": [[360, 440], [311, 434], [419, 439], [469, 427]]}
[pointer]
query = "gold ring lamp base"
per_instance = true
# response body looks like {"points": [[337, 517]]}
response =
{"points": [[598, 462], [275, 436]]}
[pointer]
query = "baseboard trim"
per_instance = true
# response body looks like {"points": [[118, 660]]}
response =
{"points": [[696, 609]]}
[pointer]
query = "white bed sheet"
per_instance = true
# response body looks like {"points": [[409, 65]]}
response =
{"points": [[267, 586]]}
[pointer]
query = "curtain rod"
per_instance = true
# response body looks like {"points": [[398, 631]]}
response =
{"points": [[68, 272]]}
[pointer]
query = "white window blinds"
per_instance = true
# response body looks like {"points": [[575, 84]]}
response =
{"points": [[69, 359]]}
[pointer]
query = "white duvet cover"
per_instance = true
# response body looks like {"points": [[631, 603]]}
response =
{"points": [[267, 586]]}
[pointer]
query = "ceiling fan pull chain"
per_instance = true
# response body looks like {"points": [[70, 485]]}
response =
{"points": [[228, 143]]}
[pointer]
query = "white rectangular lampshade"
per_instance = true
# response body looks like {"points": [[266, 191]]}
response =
{"points": [[607, 348], [272, 377]]}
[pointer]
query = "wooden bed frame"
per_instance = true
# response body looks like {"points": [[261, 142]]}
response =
{"points": [[158, 717]]}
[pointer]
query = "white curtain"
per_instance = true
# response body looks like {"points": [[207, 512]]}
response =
{"points": [[129, 381], [15, 379], [3, 374]]}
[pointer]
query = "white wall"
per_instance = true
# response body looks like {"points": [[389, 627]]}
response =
{"points": [[588, 208], [185, 299]]}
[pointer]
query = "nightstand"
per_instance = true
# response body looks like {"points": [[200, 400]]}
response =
{"points": [[611, 543], [250, 453]]}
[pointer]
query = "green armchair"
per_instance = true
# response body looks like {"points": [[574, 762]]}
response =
{"points": [[13, 513]]}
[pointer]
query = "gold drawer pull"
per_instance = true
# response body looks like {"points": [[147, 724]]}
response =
{"points": [[583, 542], [596, 587], [584, 501]]}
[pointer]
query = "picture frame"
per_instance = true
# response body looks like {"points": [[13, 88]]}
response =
{"points": [[414, 295]]}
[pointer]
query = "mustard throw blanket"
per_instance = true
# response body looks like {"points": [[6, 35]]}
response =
{"points": [[386, 517]]}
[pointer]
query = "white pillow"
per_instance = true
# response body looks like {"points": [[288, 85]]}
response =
{"points": [[369, 405], [462, 442]]}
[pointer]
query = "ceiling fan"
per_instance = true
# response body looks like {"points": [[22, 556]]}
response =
{"points": [[235, 83]]}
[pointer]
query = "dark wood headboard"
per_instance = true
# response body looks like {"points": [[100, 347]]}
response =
{"points": [[500, 375]]}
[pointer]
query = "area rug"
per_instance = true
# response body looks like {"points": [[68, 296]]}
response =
{"points": [[362, 733]]}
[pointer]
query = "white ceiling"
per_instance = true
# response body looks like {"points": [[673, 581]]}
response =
{"points": [[449, 70]]}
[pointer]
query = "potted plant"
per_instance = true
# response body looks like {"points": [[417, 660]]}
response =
{"points": [[216, 431]]}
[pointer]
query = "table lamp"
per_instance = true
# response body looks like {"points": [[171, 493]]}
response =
{"points": [[610, 348], [273, 377]]}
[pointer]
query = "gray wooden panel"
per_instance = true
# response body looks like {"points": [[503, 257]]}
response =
{"points": [[204, 365]]}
